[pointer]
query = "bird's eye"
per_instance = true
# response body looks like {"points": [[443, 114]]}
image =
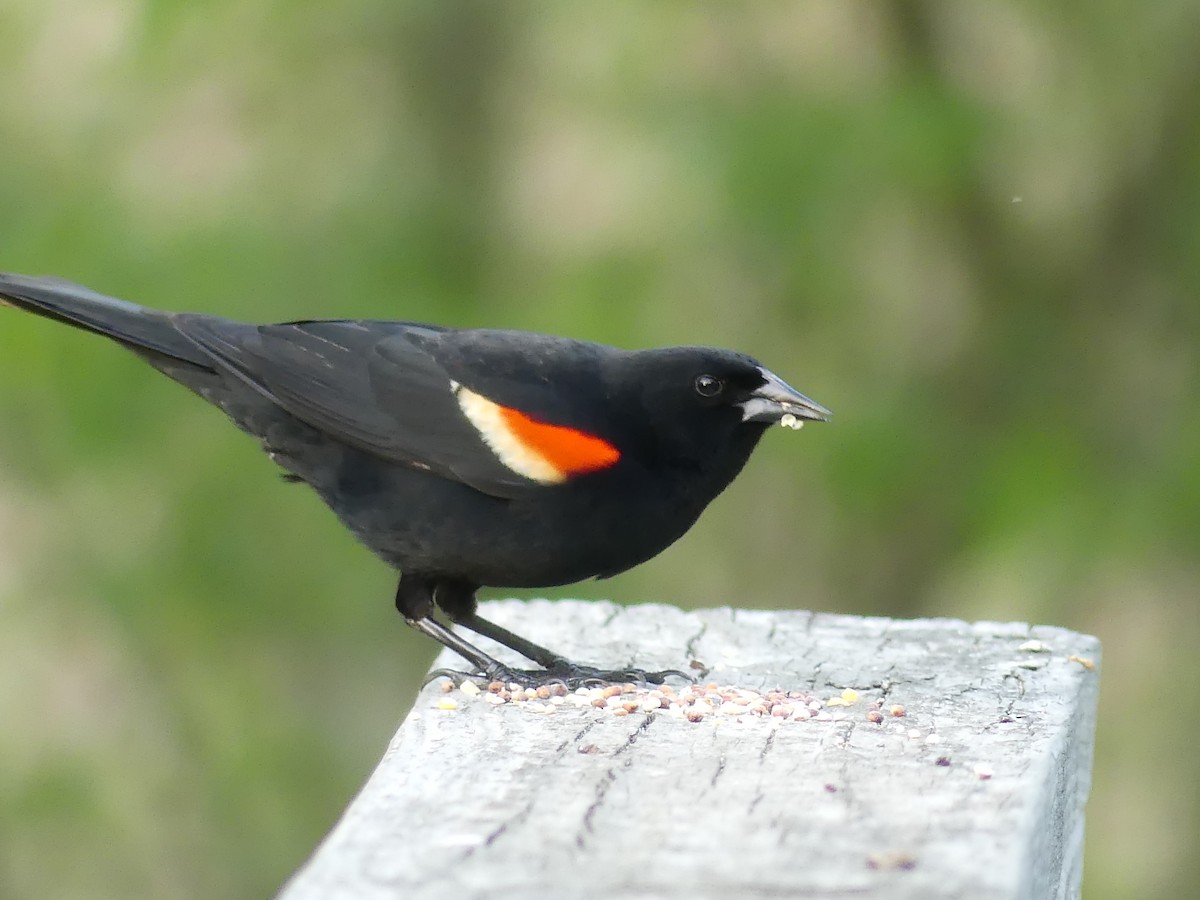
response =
{"points": [[709, 385]]}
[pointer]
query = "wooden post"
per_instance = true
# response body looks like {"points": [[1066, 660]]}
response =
{"points": [[913, 759]]}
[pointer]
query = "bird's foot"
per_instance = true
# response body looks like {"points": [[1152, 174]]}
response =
{"points": [[561, 671], [578, 675]]}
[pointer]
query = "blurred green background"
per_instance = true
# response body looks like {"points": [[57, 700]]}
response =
{"points": [[970, 229]]}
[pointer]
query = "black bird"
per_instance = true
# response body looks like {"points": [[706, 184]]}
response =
{"points": [[469, 457]]}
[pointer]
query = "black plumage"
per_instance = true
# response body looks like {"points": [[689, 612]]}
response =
{"points": [[472, 457]]}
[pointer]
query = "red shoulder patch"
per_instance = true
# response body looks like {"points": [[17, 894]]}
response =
{"points": [[568, 450], [548, 454]]}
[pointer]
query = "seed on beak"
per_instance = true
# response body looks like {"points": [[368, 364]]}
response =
{"points": [[787, 420]]}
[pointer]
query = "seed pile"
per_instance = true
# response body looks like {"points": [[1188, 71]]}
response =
{"points": [[695, 703]]}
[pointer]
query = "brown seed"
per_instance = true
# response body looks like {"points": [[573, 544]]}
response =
{"points": [[630, 706], [694, 715], [446, 687], [875, 716], [891, 859], [543, 692], [620, 711], [600, 703], [495, 687], [628, 688], [897, 710]]}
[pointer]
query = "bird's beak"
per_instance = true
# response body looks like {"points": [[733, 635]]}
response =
{"points": [[777, 401]]}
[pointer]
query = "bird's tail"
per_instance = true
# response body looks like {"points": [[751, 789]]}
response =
{"points": [[145, 331]]}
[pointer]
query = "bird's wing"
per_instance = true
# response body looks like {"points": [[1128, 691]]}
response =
{"points": [[376, 386]]}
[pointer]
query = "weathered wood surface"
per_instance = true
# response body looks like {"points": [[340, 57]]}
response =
{"points": [[486, 801]]}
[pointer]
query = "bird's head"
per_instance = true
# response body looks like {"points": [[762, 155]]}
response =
{"points": [[700, 401]]}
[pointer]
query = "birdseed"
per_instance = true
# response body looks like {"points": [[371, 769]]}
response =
{"points": [[692, 702]]}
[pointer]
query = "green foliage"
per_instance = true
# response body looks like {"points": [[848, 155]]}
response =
{"points": [[970, 230]]}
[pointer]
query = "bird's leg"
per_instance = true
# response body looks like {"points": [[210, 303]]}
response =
{"points": [[414, 600], [527, 648], [486, 666], [458, 600]]}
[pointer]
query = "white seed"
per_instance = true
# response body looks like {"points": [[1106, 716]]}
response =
{"points": [[470, 688]]}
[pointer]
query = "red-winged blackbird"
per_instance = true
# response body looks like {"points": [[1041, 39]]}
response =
{"points": [[467, 458]]}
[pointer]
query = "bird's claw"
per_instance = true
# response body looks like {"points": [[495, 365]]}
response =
{"points": [[562, 671]]}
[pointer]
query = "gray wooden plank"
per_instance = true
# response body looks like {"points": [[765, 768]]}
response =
{"points": [[977, 791]]}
